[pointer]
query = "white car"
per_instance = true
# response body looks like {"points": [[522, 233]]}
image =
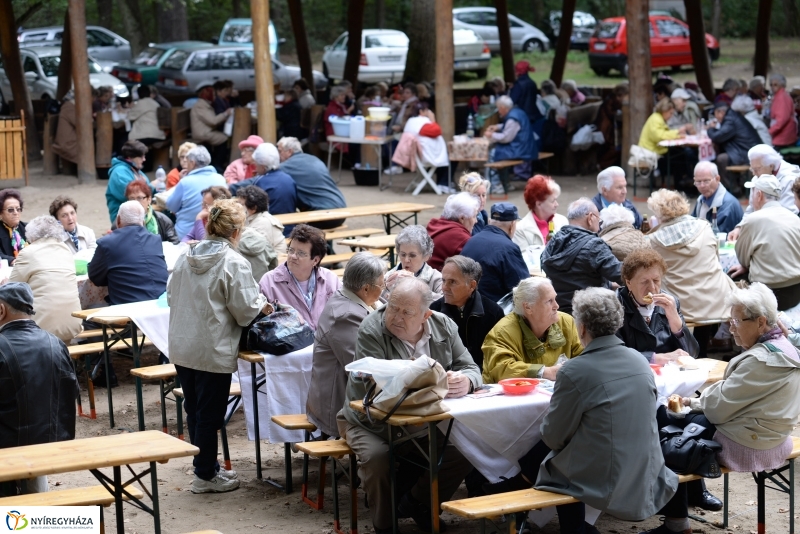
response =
{"points": [[40, 65], [383, 55], [483, 21], [105, 46]]}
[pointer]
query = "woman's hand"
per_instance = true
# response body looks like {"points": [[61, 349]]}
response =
{"points": [[268, 308], [202, 215], [671, 308], [550, 373], [665, 357], [395, 276]]}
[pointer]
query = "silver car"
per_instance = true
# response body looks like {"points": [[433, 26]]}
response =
{"points": [[186, 71], [105, 46], [483, 21], [40, 65]]}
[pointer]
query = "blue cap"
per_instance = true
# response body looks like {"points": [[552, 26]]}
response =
{"points": [[504, 211]]}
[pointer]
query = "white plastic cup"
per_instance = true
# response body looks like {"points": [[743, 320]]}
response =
{"points": [[722, 238]]}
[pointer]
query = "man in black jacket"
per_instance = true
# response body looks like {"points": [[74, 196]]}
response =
{"points": [[37, 400], [734, 136]]}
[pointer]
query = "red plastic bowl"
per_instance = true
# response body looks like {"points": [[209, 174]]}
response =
{"points": [[510, 385], [656, 368]]}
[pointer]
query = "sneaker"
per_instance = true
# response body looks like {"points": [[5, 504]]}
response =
{"points": [[230, 474], [505, 485], [498, 190], [218, 484]]}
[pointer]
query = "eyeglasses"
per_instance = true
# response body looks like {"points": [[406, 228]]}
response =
{"points": [[381, 287], [737, 322], [702, 182], [301, 254], [137, 199], [13, 210]]}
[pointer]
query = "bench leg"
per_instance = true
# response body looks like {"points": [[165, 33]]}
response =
{"points": [[163, 394], [287, 465], [511, 522], [226, 455], [335, 489], [354, 495], [257, 430], [725, 501], [319, 503], [136, 350], [178, 408], [154, 491], [107, 362], [791, 496], [78, 396]]}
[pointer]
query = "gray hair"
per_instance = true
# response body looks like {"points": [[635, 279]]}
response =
{"points": [[780, 78], [290, 143], [605, 178], [743, 104], [757, 300], [709, 166], [599, 310], [529, 290], [504, 102], [337, 90], [767, 155], [131, 213], [614, 213], [361, 270], [580, 209], [569, 83], [729, 84], [266, 155], [548, 87], [460, 205], [756, 82], [415, 286], [42, 227], [470, 268], [415, 235], [200, 156]]}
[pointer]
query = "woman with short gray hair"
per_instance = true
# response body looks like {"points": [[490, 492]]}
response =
{"points": [[782, 120], [338, 108], [453, 229], [186, 199], [335, 338], [618, 231], [48, 266], [413, 248]]}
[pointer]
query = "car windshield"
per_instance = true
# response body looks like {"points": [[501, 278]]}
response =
{"points": [[238, 33], [149, 56], [607, 30], [176, 60], [50, 66], [392, 40], [464, 36]]}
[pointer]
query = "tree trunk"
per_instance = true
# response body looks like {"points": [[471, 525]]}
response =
{"points": [[355, 23], [236, 9], [9, 51], [105, 9], [172, 21], [380, 14], [761, 59], [445, 113], [65, 65], [265, 91], [87, 172], [420, 63], [562, 44], [301, 44], [716, 16], [790, 18], [697, 41], [538, 13], [504, 33], [641, 88], [134, 28]]}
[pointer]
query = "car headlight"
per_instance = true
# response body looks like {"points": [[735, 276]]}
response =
{"points": [[121, 91]]}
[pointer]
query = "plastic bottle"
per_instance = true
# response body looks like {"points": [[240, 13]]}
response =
{"points": [[714, 225], [160, 182], [470, 126], [551, 230]]}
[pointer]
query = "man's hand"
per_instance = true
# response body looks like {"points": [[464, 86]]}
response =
{"points": [[457, 384], [395, 276], [737, 271], [733, 235], [550, 373]]}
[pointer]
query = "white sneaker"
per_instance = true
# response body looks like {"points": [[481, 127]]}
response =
{"points": [[228, 473], [218, 484], [498, 190]]}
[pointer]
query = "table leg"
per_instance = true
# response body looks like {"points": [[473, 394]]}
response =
{"points": [[255, 420], [106, 364], [791, 496], [392, 481], [163, 407], [762, 507], [330, 147], [136, 349], [154, 490], [118, 499], [433, 461], [379, 150]]}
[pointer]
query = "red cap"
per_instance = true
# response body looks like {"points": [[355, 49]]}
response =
{"points": [[522, 67], [252, 141]]}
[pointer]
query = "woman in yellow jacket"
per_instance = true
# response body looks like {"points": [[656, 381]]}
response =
{"points": [[680, 161]]}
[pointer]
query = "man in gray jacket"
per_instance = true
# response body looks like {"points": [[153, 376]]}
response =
{"points": [[406, 329]]}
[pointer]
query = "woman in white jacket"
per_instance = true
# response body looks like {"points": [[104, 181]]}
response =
{"points": [[744, 105], [541, 196]]}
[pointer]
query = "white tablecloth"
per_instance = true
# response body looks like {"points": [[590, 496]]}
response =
{"points": [[149, 317], [286, 387]]}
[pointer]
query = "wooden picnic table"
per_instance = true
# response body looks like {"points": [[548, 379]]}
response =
{"points": [[114, 451], [387, 211], [372, 243]]}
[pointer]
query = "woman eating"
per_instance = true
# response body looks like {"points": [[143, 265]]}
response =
{"points": [[541, 197], [210, 194], [413, 247]]}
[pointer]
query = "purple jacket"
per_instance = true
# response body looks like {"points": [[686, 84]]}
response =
{"points": [[279, 285]]}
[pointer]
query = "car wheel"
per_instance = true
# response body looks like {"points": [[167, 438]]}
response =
{"points": [[625, 69], [326, 73], [600, 72], [482, 73], [533, 45]]}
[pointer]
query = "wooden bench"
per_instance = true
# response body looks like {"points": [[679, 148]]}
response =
{"points": [[89, 496], [89, 333], [163, 373], [738, 169], [293, 422], [332, 235], [344, 257], [502, 169], [333, 449], [205, 532]]}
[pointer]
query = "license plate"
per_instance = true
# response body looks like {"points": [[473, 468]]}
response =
{"points": [[122, 75], [169, 82], [387, 59], [467, 64], [599, 46]]}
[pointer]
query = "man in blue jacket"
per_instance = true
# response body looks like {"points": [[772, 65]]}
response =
{"points": [[500, 258], [714, 196], [513, 139]]}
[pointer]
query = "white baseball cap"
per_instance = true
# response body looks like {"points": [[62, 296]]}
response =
{"points": [[680, 93], [766, 183]]}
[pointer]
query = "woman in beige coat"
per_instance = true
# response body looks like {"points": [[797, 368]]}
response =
{"points": [[48, 266], [619, 233]]}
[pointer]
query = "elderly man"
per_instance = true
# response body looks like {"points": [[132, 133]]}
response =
{"points": [[37, 400], [715, 199], [206, 124], [513, 139], [576, 258], [686, 110], [734, 135], [768, 247], [782, 120], [186, 199], [474, 314], [406, 329], [613, 189], [500, 258]]}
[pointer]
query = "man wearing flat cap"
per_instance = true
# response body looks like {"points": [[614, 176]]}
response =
{"points": [[500, 258], [37, 397]]}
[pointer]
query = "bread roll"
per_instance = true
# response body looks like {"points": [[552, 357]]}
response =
{"points": [[675, 403]]}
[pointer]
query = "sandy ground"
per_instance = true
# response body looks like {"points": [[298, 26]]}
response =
{"points": [[258, 507]]}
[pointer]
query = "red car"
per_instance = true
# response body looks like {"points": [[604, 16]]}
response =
{"points": [[669, 45]]}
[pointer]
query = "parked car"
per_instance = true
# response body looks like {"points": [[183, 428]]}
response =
{"points": [[483, 21], [240, 32], [144, 68], [186, 71], [40, 65], [383, 55], [583, 25], [105, 46], [669, 45]]}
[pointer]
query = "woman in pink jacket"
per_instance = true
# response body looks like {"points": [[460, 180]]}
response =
{"points": [[782, 121], [244, 167], [301, 282]]}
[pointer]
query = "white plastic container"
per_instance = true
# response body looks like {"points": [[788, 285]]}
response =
{"points": [[379, 113], [341, 127], [357, 127]]}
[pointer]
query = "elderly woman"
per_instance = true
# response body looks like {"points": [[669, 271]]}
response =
{"points": [[301, 282], [475, 185], [210, 194], [76, 236], [528, 342], [541, 196], [335, 338], [47, 265], [256, 201], [336, 107], [612, 188], [414, 248], [576, 98], [279, 186], [12, 236], [453, 229], [212, 296], [244, 167], [752, 411], [619, 233], [653, 322], [745, 106], [156, 222], [598, 433], [174, 176], [125, 168], [186, 199], [782, 120], [655, 130]]}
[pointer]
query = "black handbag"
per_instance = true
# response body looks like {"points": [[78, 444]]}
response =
{"points": [[279, 333], [685, 454]]}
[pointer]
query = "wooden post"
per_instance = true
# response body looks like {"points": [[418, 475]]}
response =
{"points": [[761, 60], [641, 89], [83, 92], [504, 32], [355, 23], [103, 139], [301, 43], [697, 40], [562, 45], [242, 126], [445, 112], [65, 65], [265, 91]]}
